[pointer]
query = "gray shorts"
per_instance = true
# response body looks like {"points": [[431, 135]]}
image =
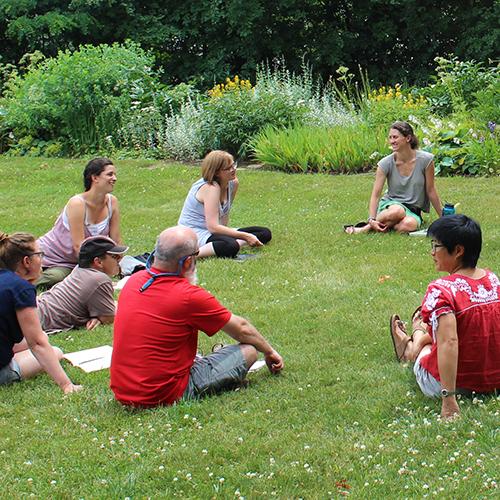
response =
{"points": [[10, 373], [219, 371], [427, 383]]}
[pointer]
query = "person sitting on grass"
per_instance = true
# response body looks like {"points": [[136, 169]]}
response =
{"points": [[160, 311], [455, 341], [410, 186], [92, 213], [24, 348], [85, 297], [207, 206]]}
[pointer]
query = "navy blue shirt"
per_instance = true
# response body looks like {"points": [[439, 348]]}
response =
{"points": [[15, 293]]}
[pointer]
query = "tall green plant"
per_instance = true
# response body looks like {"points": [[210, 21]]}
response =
{"points": [[349, 149]]}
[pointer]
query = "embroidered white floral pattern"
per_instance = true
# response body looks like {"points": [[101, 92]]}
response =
{"points": [[482, 295]]}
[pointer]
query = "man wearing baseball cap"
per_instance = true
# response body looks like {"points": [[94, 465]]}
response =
{"points": [[85, 297]]}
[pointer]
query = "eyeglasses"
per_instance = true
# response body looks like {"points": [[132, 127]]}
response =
{"points": [[435, 245], [233, 166], [41, 254]]}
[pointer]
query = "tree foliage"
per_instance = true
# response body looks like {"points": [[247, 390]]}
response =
{"points": [[204, 41]]}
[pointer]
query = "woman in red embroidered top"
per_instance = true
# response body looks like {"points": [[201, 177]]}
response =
{"points": [[456, 336]]}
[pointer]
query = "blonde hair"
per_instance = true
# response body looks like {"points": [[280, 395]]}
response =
{"points": [[13, 248], [213, 162]]}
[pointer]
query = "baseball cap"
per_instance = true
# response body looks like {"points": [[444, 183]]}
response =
{"points": [[95, 246]]}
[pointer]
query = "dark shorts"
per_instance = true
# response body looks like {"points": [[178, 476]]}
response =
{"points": [[219, 371], [10, 373]]}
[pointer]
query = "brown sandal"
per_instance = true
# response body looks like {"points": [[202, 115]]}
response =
{"points": [[398, 343], [417, 315]]}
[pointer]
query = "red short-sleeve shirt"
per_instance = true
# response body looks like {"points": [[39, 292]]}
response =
{"points": [[156, 337], [476, 306]]}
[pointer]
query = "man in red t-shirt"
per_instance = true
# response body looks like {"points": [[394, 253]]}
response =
{"points": [[160, 311]]}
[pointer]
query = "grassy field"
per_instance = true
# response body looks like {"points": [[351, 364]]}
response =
{"points": [[343, 419]]}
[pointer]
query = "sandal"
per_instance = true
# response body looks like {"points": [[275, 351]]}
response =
{"points": [[351, 228], [417, 315], [398, 342]]}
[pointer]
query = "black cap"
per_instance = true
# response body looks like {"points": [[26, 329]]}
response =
{"points": [[95, 246]]}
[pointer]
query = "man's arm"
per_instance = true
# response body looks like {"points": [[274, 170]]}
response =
{"points": [[244, 332], [447, 353]]}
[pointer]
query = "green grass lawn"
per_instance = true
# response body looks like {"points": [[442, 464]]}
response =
{"points": [[343, 418]]}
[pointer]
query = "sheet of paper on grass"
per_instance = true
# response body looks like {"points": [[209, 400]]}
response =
{"points": [[91, 360], [257, 366]]}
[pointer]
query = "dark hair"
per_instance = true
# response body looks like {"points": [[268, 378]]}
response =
{"points": [[453, 230], [94, 167], [13, 248], [406, 129]]}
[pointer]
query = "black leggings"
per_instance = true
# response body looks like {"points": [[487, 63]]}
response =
{"points": [[226, 246]]}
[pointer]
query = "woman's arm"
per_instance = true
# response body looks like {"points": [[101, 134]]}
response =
{"points": [[447, 354], [114, 223], [39, 345], [75, 211], [430, 187], [374, 199], [209, 195], [225, 219]]}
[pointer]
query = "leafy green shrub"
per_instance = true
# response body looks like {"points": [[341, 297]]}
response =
{"points": [[349, 149], [79, 98], [487, 105], [456, 85], [459, 149]]}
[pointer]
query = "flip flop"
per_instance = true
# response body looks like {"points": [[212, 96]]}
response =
{"points": [[399, 345]]}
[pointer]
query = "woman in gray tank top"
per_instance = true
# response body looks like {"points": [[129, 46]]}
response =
{"points": [[207, 206], [409, 173]]}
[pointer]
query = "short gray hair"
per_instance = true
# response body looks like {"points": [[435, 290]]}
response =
{"points": [[169, 255]]}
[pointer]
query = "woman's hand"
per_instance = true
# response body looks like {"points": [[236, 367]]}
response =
{"points": [[252, 240], [449, 408], [377, 226]]}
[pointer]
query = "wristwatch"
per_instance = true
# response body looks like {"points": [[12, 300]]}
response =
{"points": [[445, 393], [370, 219]]}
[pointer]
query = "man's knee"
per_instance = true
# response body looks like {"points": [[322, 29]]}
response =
{"points": [[249, 353]]}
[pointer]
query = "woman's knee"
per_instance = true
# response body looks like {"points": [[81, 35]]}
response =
{"points": [[226, 248], [265, 235], [407, 225], [58, 352], [394, 213]]}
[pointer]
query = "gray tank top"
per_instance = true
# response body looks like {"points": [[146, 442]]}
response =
{"points": [[193, 211], [410, 190]]}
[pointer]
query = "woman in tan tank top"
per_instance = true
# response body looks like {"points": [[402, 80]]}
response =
{"points": [[94, 212]]}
